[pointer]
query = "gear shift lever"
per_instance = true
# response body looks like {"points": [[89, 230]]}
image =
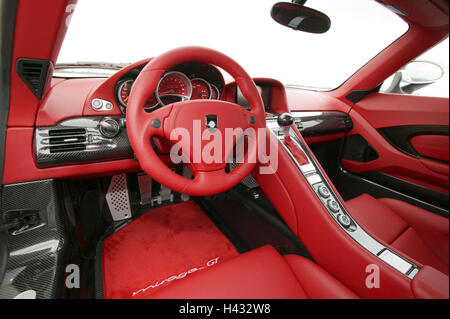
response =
{"points": [[285, 121]]}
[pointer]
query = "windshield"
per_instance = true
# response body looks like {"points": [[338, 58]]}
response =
{"points": [[118, 31]]}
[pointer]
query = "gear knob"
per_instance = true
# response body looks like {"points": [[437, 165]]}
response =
{"points": [[285, 120]]}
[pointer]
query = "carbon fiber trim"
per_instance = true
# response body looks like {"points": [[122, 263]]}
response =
{"points": [[75, 147], [36, 258]]}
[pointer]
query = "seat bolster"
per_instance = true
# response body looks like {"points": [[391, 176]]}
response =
{"points": [[259, 274], [411, 244], [376, 217], [317, 283], [432, 228], [430, 284]]}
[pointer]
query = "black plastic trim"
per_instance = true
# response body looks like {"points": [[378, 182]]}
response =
{"points": [[358, 95], [222, 225], [41, 70], [357, 149]]}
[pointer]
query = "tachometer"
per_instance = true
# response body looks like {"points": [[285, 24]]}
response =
{"points": [[173, 87], [201, 89]]}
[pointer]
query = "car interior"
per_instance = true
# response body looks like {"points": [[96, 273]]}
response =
{"points": [[340, 194]]}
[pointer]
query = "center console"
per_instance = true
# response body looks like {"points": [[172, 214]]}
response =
{"points": [[282, 128]]}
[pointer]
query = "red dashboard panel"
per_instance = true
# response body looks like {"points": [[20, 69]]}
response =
{"points": [[64, 100], [304, 100]]}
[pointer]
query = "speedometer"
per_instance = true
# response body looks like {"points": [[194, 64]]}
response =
{"points": [[173, 87]]}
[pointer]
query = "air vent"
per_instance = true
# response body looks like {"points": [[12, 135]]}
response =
{"points": [[67, 140], [63, 132], [36, 74]]}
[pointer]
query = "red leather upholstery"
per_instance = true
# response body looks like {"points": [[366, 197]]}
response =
{"points": [[432, 146], [259, 274], [417, 233], [430, 284]]}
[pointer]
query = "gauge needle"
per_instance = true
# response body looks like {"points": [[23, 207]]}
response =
{"points": [[164, 93], [126, 99]]}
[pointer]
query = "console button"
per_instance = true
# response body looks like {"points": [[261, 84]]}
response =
{"points": [[324, 191], [333, 206], [344, 220], [97, 104]]}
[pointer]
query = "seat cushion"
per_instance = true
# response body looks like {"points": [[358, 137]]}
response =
{"points": [[419, 234], [259, 274]]}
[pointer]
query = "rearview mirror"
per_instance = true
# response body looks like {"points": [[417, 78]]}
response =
{"points": [[300, 18]]}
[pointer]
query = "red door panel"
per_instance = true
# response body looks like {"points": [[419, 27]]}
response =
{"points": [[432, 146], [387, 110], [425, 160]]}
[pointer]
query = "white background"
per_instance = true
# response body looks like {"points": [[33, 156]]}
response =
{"points": [[128, 31]]}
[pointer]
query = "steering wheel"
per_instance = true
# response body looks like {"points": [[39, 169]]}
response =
{"points": [[191, 120]]}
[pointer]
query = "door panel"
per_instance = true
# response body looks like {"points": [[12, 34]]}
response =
{"points": [[410, 136], [388, 110], [431, 146]]}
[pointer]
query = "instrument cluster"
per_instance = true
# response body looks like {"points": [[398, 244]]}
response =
{"points": [[187, 81]]}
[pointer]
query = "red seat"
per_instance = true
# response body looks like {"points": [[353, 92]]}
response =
{"points": [[419, 234], [259, 274]]}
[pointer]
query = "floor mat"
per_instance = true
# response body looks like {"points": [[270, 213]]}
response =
{"points": [[162, 246]]}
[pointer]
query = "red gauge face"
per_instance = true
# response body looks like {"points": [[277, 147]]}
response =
{"points": [[214, 92], [124, 91], [200, 89], [174, 87], [124, 94]]}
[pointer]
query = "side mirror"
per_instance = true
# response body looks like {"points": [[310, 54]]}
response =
{"points": [[422, 72], [300, 18], [416, 75]]}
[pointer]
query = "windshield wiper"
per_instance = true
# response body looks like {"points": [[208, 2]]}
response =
{"points": [[95, 65]]}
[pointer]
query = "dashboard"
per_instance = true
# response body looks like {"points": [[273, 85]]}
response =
{"points": [[187, 81], [72, 132]]}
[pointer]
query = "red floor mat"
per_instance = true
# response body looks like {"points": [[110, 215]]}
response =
{"points": [[164, 245]]}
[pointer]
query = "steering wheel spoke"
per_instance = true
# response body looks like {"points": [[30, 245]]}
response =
{"points": [[152, 124]]}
